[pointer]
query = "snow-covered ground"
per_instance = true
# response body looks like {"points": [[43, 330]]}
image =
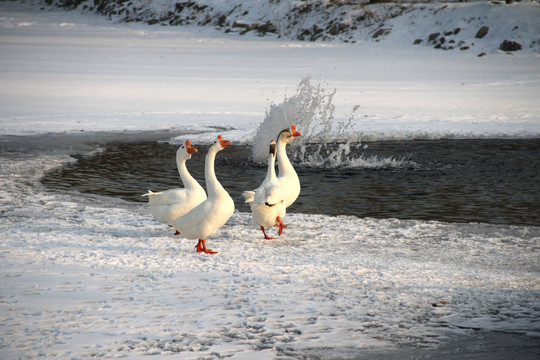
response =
{"points": [[89, 276], [65, 72]]}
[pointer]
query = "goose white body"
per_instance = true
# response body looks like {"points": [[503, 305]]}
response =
{"points": [[287, 175], [267, 202], [171, 204], [206, 218]]}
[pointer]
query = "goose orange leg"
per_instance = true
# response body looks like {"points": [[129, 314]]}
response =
{"points": [[201, 247], [266, 236], [281, 225]]}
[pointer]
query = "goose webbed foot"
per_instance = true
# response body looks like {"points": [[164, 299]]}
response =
{"points": [[266, 236], [201, 247]]}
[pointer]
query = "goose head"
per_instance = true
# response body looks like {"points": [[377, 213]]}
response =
{"points": [[219, 144], [272, 148], [288, 134], [185, 151]]}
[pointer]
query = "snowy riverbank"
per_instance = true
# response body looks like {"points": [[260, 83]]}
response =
{"points": [[481, 27], [93, 276], [90, 276]]}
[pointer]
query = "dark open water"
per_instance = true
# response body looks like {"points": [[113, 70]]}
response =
{"points": [[491, 181]]}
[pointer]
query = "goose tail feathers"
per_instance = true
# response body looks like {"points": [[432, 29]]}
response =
{"points": [[150, 194], [248, 196]]}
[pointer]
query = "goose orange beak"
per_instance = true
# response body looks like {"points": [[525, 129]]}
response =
{"points": [[294, 133], [224, 143], [190, 150]]}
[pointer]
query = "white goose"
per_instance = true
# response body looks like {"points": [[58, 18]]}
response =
{"points": [[207, 217], [287, 176], [267, 202], [171, 204]]}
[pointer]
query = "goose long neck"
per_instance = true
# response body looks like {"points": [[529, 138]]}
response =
{"points": [[213, 187], [186, 177], [284, 164], [271, 172]]}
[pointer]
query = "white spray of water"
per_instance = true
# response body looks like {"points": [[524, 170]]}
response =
{"points": [[325, 141], [300, 110], [346, 155]]}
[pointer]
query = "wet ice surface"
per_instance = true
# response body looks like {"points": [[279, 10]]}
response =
{"points": [[86, 275]]}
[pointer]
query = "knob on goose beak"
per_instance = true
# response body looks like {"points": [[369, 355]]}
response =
{"points": [[294, 133], [190, 150], [224, 143]]}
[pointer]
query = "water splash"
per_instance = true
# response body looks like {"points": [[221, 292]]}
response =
{"points": [[325, 142], [312, 111], [346, 155]]}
